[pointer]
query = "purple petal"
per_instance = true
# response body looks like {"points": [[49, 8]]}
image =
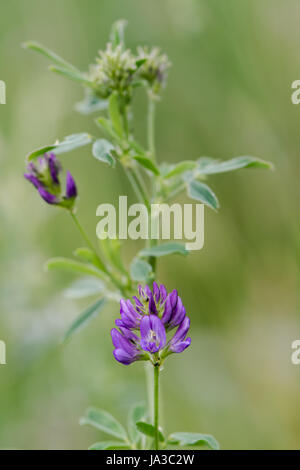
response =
{"points": [[181, 331], [54, 167], [33, 179], [180, 346], [129, 334], [168, 310], [120, 342], [121, 356], [153, 334], [48, 197], [130, 316], [156, 291], [178, 313], [71, 190], [163, 293]]}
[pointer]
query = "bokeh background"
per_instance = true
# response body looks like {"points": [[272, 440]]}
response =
{"points": [[229, 94]]}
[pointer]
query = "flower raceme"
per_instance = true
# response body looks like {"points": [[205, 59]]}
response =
{"points": [[143, 326], [44, 175]]}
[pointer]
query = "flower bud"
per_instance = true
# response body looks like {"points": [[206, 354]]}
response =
{"points": [[44, 175]]}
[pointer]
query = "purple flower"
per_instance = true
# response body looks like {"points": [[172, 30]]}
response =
{"points": [[144, 325], [44, 175]]}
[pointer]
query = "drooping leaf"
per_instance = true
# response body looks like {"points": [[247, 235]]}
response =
{"points": [[109, 445], [147, 163], [136, 413], [91, 104], [193, 439], [56, 59], [84, 318], [209, 166], [88, 255], [149, 430], [164, 249], [40, 151], [72, 142], [67, 264], [201, 192], [115, 115], [140, 270], [84, 287], [73, 75], [180, 168], [102, 150], [69, 143], [105, 422]]}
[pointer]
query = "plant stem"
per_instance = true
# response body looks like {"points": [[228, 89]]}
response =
{"points": [[151, 127], [156, 407], [83, 233], [115, 281]]}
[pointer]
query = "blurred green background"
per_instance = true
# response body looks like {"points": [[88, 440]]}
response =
{"points": [[228, 94]]}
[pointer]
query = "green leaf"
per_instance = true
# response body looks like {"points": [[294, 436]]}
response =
{"points": [[105, 422], [180, 168], [84, 318], [140, 270], [201, 192], [69, 143], [193, 439], [147, 163], [109, 445], [88, 255], [84, 287], [67, 264], [35, 46], [165, 249], [72, 142], [117, 36], [40, 151], [209, 166], [73, 75], [102, 150], [115, 115], [136, 413], [149, 430], [91, 104]]}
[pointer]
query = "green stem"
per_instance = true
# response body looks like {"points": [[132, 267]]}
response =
{"points": [[151, 127], [138, 186], [83, 233], [156, 406], [115, 281]]}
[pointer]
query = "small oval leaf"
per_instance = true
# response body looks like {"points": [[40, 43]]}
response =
{"points": [[84, 318], [165, 249], [210, 166], [140, 270], [149, 430], [84, 287], [193, 439], [201, 192], [73, 266], [180, 168], [147, 163], [102, 150], [109, 445], [105, 422]]}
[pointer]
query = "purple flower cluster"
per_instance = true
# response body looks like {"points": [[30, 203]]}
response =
{"points": [[144, 324], [44, 175]]}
